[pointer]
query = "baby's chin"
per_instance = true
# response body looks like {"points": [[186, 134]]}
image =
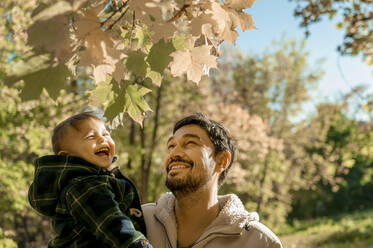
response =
{"points": [[104, 165]]}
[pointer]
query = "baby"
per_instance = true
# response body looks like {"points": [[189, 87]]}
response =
{"points": [[89, 206]]}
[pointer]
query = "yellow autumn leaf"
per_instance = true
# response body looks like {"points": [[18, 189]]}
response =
{"points": [[192, 62]]}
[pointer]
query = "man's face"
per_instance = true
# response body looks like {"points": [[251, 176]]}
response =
{"points": [[91, 141], [190, 162]]}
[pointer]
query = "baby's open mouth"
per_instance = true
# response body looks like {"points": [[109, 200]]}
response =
{"points": [[103, 151]]}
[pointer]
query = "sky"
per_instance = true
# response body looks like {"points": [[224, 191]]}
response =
{"points": [[274, 18]]}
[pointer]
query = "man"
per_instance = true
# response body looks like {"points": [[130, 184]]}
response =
{"points": [[200, 154]]}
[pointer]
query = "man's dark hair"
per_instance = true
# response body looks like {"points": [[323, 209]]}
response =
{"points": [[217, 133], [61, 129]]}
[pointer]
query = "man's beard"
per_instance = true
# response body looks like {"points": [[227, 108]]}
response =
{"points": [[186, 185]]}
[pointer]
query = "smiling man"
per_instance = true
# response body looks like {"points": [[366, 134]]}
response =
{"points": [[200, 154]]}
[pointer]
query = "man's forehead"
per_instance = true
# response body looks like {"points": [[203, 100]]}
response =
{"points": [[187, 135], [191, 131]]}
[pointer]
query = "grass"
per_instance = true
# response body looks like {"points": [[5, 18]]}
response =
{"points": [[353, 230]]}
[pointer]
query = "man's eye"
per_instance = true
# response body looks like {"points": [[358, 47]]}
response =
{"points": [[170, 147]]}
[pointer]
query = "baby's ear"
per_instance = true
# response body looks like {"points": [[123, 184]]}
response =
{"points": [[62, 153]]}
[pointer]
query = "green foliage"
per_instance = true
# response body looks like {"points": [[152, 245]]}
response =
{"points": [[136, 63], [272, 86], [128, 98], [53, 79], [134, 103], [340, 231], [159, 56], [338, 155], [25, 135], [126, 40], [354, 17], [6, 242]]}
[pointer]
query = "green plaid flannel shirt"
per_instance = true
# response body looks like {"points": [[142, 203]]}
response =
{"points": [[89, 206]]}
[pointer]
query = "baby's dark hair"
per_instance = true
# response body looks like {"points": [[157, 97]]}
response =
{"points": [[60, 130]]}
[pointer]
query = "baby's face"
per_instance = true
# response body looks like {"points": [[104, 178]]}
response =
{"points": [[91, 142]]}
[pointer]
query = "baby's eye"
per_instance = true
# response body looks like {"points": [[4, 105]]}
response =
{"points": [[191, 142], [90, 136]]}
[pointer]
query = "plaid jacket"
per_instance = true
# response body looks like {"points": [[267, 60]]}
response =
{"points": [[89, 206]]}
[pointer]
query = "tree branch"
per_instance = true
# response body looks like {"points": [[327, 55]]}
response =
{"points": [[117, 20], [115, 12]]}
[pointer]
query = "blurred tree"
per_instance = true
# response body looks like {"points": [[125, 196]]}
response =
{"points": [[338, 153], [355, 17], [271, 87], [6, 242], [25, 135], [144, 148]]}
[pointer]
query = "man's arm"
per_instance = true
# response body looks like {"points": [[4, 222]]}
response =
{"points": [[262, 236]]}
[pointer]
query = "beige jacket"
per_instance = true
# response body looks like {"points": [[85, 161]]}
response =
{"points": [[234, 227]]}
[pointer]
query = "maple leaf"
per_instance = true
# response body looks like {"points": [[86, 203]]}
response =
{"points": [[59, 8], [103, 92], [95, 40], [159, 56], [45, 23], [101, 71], [154, 76], [192, 61], [25, 67], [52, 79], [241, 19], [197, 23], [239, 4], [116, 107], [134, 103], [101, 50], [223, 27], [179, 43], [146, 10], [160, 30], [136, 63], [143, 38], [87, 21], [59, 43], [149, 13], [128, 99], [119, 71]]}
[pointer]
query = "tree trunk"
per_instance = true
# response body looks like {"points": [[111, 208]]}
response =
{"points": [[262, 181], [146, 161]]}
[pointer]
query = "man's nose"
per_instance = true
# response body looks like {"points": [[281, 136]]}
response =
{"points": [[178, 151]]}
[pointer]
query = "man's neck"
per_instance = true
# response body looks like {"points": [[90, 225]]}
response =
{"points": [[194, 213]]}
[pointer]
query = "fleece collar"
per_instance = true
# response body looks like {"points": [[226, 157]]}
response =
{"points": [[231, 220]]}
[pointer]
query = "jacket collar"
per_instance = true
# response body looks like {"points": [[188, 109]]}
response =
{"points": [[230, 222]]}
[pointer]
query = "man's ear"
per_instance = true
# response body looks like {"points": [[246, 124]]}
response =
{"points": [[63, 152], [222, 161]]}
